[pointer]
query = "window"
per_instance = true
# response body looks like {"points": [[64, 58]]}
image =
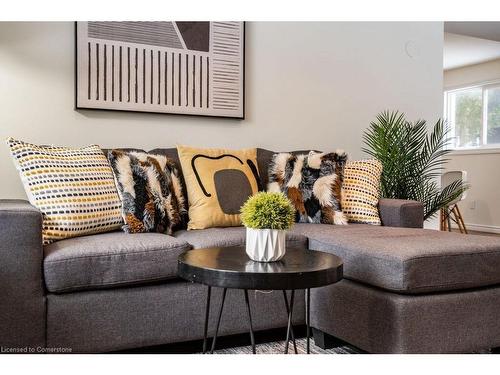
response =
{"points": [[474, 116]]}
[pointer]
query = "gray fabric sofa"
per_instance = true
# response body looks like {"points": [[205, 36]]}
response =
{"points": [[406, 289]]}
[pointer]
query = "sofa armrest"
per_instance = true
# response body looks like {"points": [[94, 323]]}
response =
{"points": [[401, 213], [22, 300]]}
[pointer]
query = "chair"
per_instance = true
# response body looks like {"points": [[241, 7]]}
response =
{"points": [[452, 212]]}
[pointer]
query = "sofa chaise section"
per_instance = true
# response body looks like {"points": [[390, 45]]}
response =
{"points": [[409, 260], [408, 290], [379, 321]]}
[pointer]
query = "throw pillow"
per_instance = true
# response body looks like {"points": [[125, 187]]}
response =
{"points": [[218, 182], [361, 191], [73, 188], [151, 192], [312, 182]]}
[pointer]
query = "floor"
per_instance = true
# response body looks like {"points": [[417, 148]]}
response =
{"points": [[278, 347], [268, 342]]}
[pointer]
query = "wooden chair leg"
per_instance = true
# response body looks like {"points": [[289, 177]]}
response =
{"points": [[448, 216], [462, 220], [460, 224], [444, 221], [455, 218], [459, 219]]}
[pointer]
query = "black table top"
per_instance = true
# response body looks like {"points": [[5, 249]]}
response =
{"points": [[230, 267]]}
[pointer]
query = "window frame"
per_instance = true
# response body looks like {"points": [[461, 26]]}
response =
{"points": [[484, 147]]}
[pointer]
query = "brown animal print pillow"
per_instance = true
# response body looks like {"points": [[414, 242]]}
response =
{"points": [[150, 190], [313, 183]]}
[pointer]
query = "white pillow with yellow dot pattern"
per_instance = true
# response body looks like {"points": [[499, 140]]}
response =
{"points": [[73, 188], [361, 191]]}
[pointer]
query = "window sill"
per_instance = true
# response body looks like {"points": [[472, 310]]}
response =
{"points": [[475, 151]]}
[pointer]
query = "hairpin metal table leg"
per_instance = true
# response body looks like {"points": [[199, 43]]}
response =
{"points": [[207, 315], [308, 317], [287, 312], [218, 320], [289, 327], [252, 338]]}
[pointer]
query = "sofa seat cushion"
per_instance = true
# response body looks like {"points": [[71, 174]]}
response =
{"points": [[230, 236], [110, 259], [409, 260]]}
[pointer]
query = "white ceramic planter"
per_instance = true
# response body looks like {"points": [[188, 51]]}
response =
{"points": [[265, 245]]}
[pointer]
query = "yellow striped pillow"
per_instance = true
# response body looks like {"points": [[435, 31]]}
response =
{"points": [[73, 188], [361, 191]]}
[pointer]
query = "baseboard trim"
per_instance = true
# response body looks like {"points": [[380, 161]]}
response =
{"points": [[481, 228]]}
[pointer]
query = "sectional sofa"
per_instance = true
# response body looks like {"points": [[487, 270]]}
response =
{"points": [[406, 289]]}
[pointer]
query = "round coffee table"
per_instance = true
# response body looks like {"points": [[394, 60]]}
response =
{"points": [[230, 267]]}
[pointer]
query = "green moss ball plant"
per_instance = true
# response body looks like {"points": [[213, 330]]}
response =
{"points": [[268, 211], [267, 217]]}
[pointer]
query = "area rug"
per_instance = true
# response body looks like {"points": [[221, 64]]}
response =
{"points": [[278, 347]]}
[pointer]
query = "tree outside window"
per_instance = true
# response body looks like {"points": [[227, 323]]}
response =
{"points": [[474, 115]]}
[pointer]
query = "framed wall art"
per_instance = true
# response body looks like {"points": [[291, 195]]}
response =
{"points": [[190, 68]]}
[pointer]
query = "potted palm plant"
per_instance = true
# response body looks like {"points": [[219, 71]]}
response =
{"points": [[412, 159], [267, 217]]}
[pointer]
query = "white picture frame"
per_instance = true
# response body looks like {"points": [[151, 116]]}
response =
{"points": [[186, 68]]}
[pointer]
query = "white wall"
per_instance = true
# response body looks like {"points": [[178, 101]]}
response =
{"points": [[483, 169], [308, 85]]}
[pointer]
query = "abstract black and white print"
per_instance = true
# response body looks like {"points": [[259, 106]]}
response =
{"points": [[192, 68]]}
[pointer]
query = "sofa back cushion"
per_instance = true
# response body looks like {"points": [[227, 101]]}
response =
{"points": [[264, 159]]}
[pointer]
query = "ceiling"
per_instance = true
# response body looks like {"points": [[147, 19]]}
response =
{"points": [[462, 50]]}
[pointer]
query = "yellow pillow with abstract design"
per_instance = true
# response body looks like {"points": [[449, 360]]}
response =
{"points": [[218, 182]]}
